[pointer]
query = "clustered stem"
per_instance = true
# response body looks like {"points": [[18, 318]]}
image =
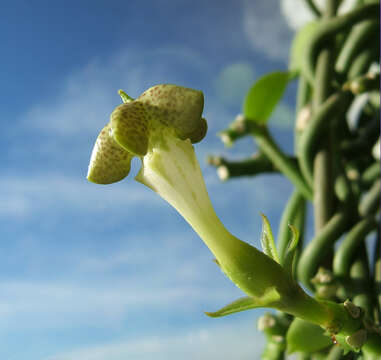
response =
{"points": [[334, 169]]}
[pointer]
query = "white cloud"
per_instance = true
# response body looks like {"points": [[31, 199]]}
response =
{"points": [[235, 341], [57, 305], [31, 195], [170, 272], [297, 13], [233, 82], [266, 29]]}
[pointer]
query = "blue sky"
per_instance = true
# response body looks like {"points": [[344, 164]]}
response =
{"points": [[93, 272]]}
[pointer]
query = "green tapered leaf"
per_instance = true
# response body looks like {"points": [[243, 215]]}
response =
{"points": [[264, 95], [299, 44], [246, 303], [242, 304], [306, 337], [267, 240], [291, 249]]}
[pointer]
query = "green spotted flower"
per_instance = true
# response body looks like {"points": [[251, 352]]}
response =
{"points": [[160, 127]]}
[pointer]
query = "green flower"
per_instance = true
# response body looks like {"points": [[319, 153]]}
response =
{"points": [[159, 127], [139, 127]]}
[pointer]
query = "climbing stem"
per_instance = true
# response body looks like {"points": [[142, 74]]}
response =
{"points": [[315, 10], [362, 62], [322, 180], [370, 203], [354, 44], [336, 104], [328, 29], [257, 164], [377, 276], [335, 353], [349, 246], [360, 281], [321, 245], [280, 160], [302, 110]]}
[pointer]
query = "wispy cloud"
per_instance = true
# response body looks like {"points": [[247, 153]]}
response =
{"points": [[236, 341], [39, 305], [266, 29], [55, 192]]}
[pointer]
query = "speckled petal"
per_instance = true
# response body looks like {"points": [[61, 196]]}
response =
{"points": [[199, 132], [176, 106], [109, 162], [129, 127]]}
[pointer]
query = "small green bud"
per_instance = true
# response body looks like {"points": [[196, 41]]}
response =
{"points": [[352, 309], [357, 340], [266, 321]]}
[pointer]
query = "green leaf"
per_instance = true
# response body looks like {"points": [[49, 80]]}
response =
{"points": [[299, 45], [267, 240], [264, 95], [291, 249], [271, 296], [306, 337]]}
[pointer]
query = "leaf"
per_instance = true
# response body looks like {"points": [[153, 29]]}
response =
{"points": [[246, 303], [264, 95], [291, 249], [299, 45], [267, 240], [306, 337]]}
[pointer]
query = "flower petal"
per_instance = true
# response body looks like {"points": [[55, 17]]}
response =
{"points": [[129, 127], [176, 106], [109, 162]]}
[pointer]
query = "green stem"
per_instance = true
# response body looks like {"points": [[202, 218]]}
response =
{"points": [[372, 348], [314, 9], [280, 160], [304, 93], [371, 200], [331, 27], [304, 356], [348, 247], [363, 143], [323, 179], [364, 83], [336, 104], [335, 353], [299, 223], [363, 60], [360, 282], [303, 97], [354, 43], [257, 164], [320, 246], [377, 276], [333, 317], [371, 174]]}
